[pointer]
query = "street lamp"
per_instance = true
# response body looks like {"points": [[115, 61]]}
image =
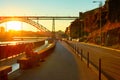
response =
{"points": [[100, 5], [81, 25]]}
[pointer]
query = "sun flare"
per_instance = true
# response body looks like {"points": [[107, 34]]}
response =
{"points": [[14, 25]]}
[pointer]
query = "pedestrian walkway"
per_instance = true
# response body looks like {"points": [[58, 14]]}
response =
{"points": [[60, 65], [85, 73]]}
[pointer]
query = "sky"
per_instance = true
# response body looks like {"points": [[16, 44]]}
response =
{"points": [[47, 8]]}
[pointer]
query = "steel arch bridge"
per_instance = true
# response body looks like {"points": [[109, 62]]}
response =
{"points": [[26, 20], [31, 20]]}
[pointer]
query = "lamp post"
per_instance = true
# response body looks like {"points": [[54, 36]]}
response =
{"points": [[100, 5], [81, 25]]}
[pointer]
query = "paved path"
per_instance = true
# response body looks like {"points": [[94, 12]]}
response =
{"points": [[60, 65]]}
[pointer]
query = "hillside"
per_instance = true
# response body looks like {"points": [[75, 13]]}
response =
{"points": [[110, 29], [105, 30]]}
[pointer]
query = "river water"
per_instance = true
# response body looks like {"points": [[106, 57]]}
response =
{"points": [[20, 40]]}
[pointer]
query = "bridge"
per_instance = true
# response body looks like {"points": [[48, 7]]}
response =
{"points": [[31, 20]]}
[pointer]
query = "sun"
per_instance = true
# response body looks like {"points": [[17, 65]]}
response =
{"points": [[14, 25]]}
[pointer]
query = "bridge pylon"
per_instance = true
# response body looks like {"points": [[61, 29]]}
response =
{"points": [[53, 28]]}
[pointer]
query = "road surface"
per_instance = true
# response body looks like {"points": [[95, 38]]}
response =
{"points": [[110, 58]]}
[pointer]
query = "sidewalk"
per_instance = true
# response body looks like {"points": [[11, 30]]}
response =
{"points": [[62, 64]]}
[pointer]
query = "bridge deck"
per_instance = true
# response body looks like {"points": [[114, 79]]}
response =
{"points": [[60, 65]]}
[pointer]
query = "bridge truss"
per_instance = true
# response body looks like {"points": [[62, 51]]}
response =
{"points": [[31, 20]]}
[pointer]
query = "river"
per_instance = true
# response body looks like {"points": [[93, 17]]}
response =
{"points": [[20, 40]]}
